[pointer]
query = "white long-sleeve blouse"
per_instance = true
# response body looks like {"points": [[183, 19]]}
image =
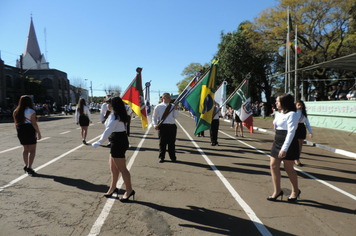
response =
{"points": [[289, 122]]}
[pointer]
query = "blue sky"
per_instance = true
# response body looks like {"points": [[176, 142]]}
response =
{"points": [[105, 41]]}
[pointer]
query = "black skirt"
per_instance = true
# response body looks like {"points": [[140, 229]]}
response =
{"points": [[301, 132], [237, 119], [26, 134], [119, 144], [83, 120], [293, 150]]}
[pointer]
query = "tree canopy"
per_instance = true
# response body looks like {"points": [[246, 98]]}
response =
{"points": [[326, 29]]}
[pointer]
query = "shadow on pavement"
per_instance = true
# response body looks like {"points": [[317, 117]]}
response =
{"points": [[78, 183], [210, 221]]}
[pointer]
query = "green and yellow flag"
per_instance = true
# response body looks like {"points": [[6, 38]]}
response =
{"points": [[201, 99]]}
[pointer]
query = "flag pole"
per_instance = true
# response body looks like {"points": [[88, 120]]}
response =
{"points": [[191, 81], [296, 64], [138, 70], [177, 101], [289, 25]]}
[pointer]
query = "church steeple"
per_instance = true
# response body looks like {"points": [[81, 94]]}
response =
{"points": [[32, 57], [32, 46]]}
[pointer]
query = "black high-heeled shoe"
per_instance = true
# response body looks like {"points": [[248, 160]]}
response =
{"points": [[127, 199], [25, 169], [30, 172], [294, 199], [273, 199], [109, 195]]}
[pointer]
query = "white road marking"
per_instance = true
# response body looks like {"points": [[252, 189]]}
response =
{"points": [[10, 149], [250, 213], [65, 132], [305, 173], [44, 165], [95, 230]]}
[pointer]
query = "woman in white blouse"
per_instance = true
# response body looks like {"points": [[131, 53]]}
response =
{"points": [[285, 147], [116, 132], [82, 117], [301, 132], [27, 131]]}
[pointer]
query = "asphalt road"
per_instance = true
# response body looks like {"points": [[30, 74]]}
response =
{"points": [[210, 190]]}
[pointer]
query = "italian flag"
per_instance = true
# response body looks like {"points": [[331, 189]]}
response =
{"points": [[133, 96], [241, 102]]}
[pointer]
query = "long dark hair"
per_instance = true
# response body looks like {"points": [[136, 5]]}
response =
{"points": [[118, 109], [304, 111], [81, 104], [19, 113], [287, 102]]}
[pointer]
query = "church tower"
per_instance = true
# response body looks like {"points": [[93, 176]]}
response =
{"points": [[32, 57]]}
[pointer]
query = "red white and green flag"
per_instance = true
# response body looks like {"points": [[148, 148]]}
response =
{"points": [[133, 96], [240, 101]]}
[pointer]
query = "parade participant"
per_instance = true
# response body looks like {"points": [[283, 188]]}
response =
{"points": [[82, 112], [215, 125], [104, 112], [167, 132], [285, 147], [301, 132], [238, 123], [129, 112], [27, 131], [116, 132]]}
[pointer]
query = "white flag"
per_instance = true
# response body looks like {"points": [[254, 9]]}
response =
{"points": [[220, 96], [147, 102]]}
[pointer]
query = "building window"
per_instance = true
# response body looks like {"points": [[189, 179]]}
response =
{"points": [[47, 83], [18, 82], [8, 81]]}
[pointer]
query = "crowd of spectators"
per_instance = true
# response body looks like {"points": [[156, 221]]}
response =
{"points": [[338, 93]]}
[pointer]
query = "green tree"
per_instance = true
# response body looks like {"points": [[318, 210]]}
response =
{"points": [[238, 58], [189, 73], [323, 34]]}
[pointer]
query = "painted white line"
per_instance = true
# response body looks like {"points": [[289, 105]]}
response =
{"points": [[250, 213], [305, 173], [44, 165], [10, 149], [65, 132], [95, 230]]}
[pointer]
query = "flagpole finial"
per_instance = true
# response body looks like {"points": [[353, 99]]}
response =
{"points": [[138, 69]]}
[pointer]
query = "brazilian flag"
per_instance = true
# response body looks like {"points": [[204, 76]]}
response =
{"points": [[201, 99]]}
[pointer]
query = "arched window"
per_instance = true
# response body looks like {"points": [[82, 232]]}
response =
{"points": [[8, 81], [18, 82], [47, 83], [64, 84]]}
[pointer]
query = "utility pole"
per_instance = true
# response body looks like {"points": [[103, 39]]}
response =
{"points": [[91, 89]]}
